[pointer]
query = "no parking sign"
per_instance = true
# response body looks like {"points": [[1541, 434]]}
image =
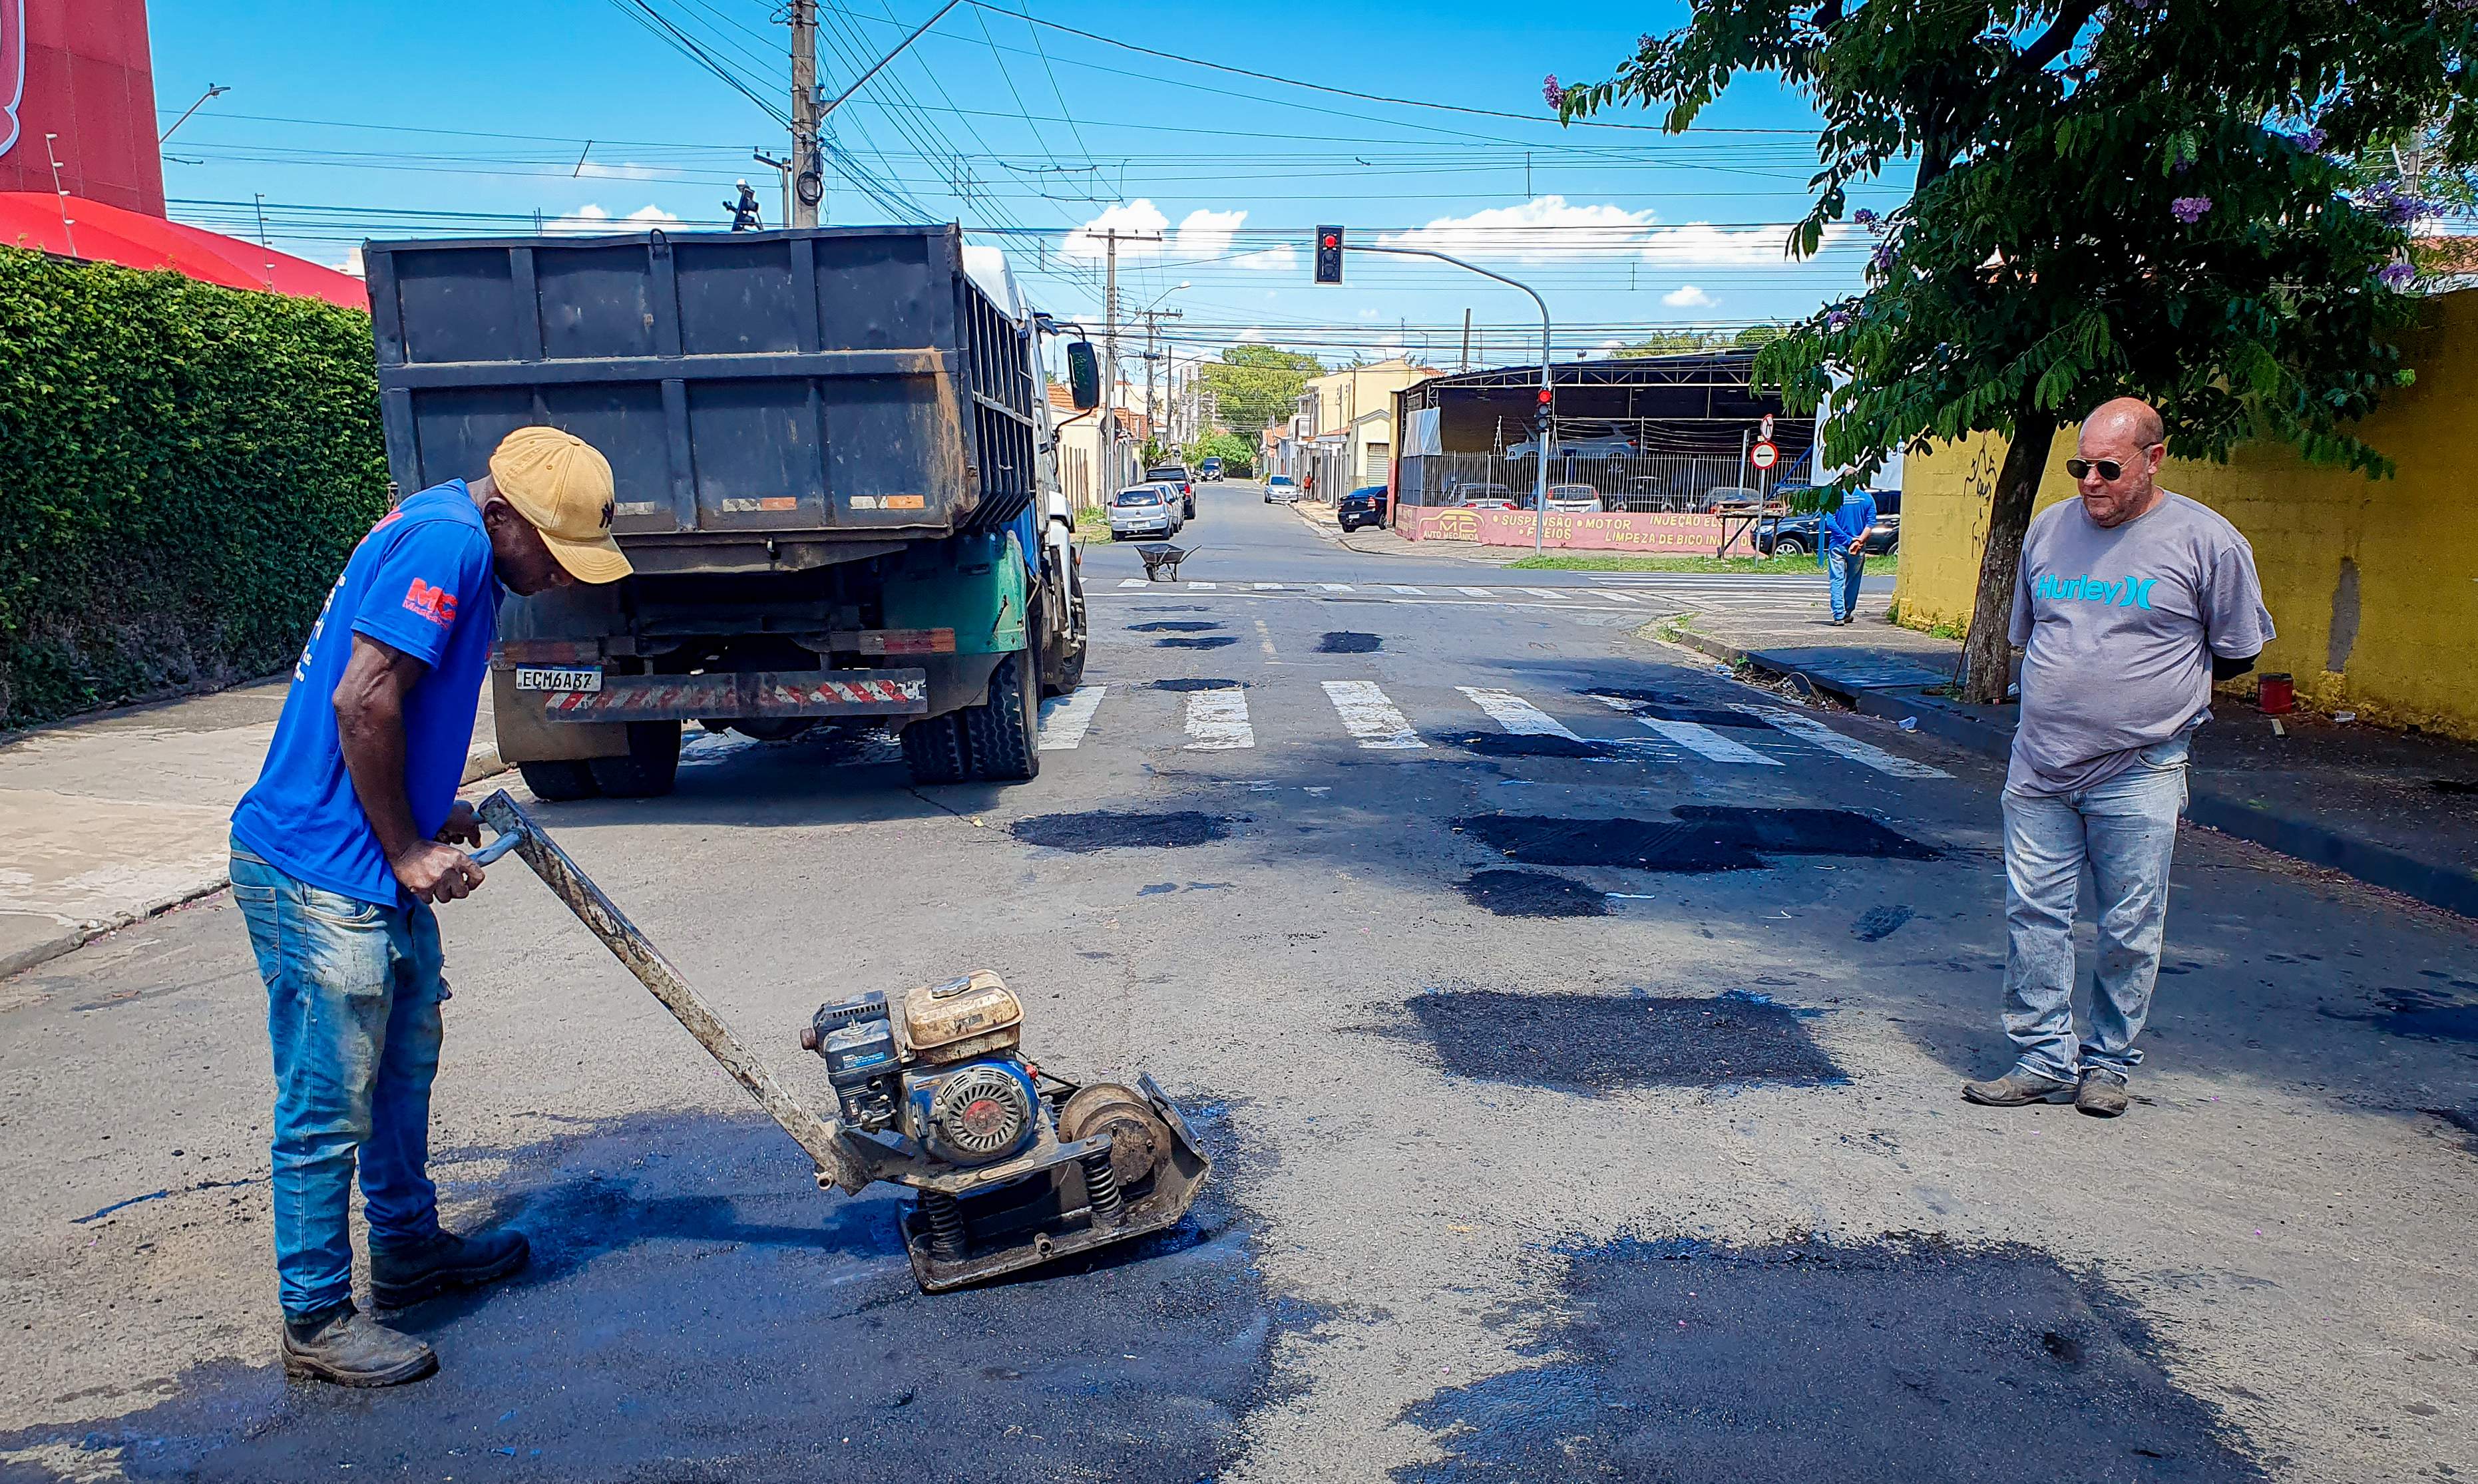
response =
{"points": [[1763, 456]]}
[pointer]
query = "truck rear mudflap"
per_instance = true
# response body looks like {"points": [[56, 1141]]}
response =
{"points": [[871, 692]]}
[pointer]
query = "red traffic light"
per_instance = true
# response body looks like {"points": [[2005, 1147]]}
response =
{"points": [[1544, 396], [1333, 241]]}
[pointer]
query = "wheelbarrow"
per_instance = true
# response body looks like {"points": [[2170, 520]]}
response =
{"points": [[1162, 560]]}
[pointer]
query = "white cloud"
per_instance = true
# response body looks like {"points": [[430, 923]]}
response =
{"points": [[1252, 336], [1207, 232], [1687, 297], [1201, 233], [1551, 228], [1139, 218], [587, 219], [1278, 259], [627, 170]]}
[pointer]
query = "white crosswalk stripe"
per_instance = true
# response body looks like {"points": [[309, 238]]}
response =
{"points": [[1270, 586], [1475, 592], [1412, 592], [1368, 716], [1810, 730], [1517, 715], [1217, 720], [1133, 582], [1707, 743], [1064, 719], [1335, 587], [1614, 597]]}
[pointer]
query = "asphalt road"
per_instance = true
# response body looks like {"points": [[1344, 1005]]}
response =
{"points": [[1579, 1049]]}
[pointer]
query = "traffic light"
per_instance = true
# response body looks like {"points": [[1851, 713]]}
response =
{"points": [[1329, 254]]}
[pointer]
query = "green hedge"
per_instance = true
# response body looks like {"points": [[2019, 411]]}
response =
{"points": [[184, 469]]}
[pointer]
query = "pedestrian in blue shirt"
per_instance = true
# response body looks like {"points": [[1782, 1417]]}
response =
{"points": [[338, 853], [1841, 547]]}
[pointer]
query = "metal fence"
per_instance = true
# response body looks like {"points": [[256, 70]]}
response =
{"points": [[1646, 482]]}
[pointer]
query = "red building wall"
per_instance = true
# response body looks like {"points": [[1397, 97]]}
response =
{"points": [[80, 69]]}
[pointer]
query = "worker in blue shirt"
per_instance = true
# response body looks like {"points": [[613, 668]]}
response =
{"points": [[338, 853], [1841, 547]]}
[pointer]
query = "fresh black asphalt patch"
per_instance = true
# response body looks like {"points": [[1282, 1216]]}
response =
{"points": [[1203, 641], [1186, 684], [1877, 924], [1345, 642], [1172, 626], [1601, 1042], [1104, 829], [697, 1310], [1700, 838], [1676, 707], [1533, 894], [1532, 745], [1900, 1359]]}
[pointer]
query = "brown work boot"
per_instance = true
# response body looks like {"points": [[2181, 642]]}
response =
{"points": [[406, 1274], [2018, 1089], [350, 1348], [2100, 1095]]}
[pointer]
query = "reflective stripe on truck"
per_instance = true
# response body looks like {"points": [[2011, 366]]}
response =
{"points": [[881, 692]]}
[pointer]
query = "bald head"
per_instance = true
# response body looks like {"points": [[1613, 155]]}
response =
{"points": [[2116, 454]]}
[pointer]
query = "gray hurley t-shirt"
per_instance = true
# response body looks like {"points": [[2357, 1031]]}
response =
{"points": [[2119, 625]]}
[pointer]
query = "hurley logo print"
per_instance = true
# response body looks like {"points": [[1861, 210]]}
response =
{"points": [[2124, 592], [436, 604]]}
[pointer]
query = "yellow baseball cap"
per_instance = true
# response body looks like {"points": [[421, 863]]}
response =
{"points": [[562, 483]]}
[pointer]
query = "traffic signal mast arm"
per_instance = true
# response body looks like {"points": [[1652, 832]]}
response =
{"points": [[1540, 485]]}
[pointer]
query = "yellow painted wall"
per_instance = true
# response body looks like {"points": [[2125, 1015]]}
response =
{"points": [[2414, 540]]}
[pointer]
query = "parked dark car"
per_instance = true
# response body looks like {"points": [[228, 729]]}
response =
{"points": [[1363, 506], [1176, 476]]}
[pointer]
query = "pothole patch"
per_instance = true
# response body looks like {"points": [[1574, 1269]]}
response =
{"points": [[1104, 829], [1172, 626], [1533, 894], [1903, 1358], [1698, 839], [1197, 642], [1601, 1043], [1346, 641]]}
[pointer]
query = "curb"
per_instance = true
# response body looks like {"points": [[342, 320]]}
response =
{"points": [[482, 761], [2301, 839]]}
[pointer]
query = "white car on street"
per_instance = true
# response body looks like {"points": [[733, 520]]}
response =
{"points": [[1145, 510], [1575, 500]]}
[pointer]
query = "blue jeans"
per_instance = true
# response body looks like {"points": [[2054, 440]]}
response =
{"points": [[352, 1011], [1841, 572], [2125, 831]]}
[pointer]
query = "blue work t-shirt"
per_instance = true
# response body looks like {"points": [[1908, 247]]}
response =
{"points": [[421, 584], [1847, 524]]}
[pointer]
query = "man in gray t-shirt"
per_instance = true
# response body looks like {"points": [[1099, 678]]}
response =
{"points": [[2130, 603]]}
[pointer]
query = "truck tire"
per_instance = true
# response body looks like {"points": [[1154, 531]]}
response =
{"points": [[1003, 735], [650, 767], [933, 749], [559, 780]]}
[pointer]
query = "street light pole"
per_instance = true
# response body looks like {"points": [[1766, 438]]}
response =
{"points": [[1540, 483]]}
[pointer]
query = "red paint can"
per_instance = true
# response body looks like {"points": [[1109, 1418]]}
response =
{"points": [[2275, 695]]}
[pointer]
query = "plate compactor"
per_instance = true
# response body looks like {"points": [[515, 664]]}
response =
{"points": [[1015, 1166]]}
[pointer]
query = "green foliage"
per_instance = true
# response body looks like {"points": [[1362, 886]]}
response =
{"points": [[2110, 199], [1673, 342], [1256, 385], [184, 469], [1238, 456]]}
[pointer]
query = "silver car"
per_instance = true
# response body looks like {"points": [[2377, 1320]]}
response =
{"points": [[1144, 510]]}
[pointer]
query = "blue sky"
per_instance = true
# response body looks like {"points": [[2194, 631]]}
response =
{"points": [[456, 116]]}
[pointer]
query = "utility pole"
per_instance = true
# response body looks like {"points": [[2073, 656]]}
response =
{"points": [[1153, 318], [783, 168], [1111, 238], [804, 112], [1466, 365]]}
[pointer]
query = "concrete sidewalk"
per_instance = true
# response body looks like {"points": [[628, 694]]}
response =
{"points": [[116, 816], [2398, 812]]}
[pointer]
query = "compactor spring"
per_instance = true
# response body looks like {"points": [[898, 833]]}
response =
{"points": [[1101, 1186], [946, 1220]]}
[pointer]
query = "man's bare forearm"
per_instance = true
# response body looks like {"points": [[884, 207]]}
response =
{"points": [[369, 729]]}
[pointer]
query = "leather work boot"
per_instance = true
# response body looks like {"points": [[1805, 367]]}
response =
{"points": [[2018, 1089], [350, 1348], [403, 1275], [2101, 1096]]}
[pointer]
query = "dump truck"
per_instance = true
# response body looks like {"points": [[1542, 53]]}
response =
{"points": [[836, 480]]}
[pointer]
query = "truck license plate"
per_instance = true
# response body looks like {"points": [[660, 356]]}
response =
{"points": [[546, 678]]}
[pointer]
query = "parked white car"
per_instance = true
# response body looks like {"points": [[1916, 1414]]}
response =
{"points": [[1280, 491], [1144, 510], [1575, 500]]}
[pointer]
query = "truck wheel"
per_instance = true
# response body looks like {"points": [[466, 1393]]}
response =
{"points": [[559, 780], [650, 767], [933, 749], [1003, 735]]}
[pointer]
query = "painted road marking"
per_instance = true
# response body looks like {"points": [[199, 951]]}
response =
{"points": [[1515, 714], [1217, 720], [1412, 592], [1614, 597], [1335, 587], [1475, 592], [1808, 729], [1706, 743], [1133, 582], [1203, 587], [1269, 587], [1064, 718], [1368, 716]]}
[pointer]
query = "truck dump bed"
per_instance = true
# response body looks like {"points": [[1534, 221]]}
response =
{"points": [[767, 399]]}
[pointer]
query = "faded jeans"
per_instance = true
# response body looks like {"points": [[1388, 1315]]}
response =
{"points": [[1843, 570], [2125, 831], [352, 1013]]}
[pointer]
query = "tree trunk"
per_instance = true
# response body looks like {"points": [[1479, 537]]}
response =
{"points": [[1987, 654]]}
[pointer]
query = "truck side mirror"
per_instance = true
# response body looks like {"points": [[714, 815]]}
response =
{"points": [[1083, 375]]}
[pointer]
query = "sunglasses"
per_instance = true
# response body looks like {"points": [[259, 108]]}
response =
{"points": [[2109, 469]]}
